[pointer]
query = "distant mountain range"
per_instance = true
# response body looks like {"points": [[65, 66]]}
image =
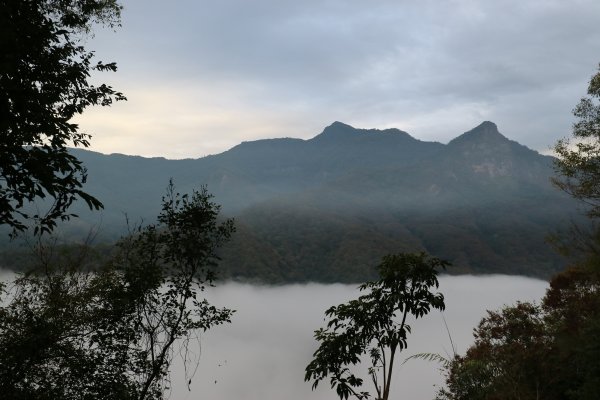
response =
{"points": [[328, 208]]}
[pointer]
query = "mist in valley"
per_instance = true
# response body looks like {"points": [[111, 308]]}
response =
{"points": [[263, 352]]}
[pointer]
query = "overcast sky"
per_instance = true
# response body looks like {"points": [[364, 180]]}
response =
{"points": [[202, 76]]}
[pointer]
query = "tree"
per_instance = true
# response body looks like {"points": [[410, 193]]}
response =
{"points": [[535, 352], [376, 325], [573, 300], [578, 174], [68, 333], [572, 313], [578, 162], [510, 359], [44, 83]]}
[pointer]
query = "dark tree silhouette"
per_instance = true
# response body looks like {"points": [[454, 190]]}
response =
{"points": [[375, 324], [44, 83], [67, 333]]}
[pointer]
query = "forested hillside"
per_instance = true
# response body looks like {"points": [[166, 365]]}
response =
{"points": [[325, 209]]}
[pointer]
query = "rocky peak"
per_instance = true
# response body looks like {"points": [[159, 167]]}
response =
{"points": [[485, 133], [487, 152]]}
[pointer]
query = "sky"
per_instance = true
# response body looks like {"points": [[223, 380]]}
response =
{"points": [[202, 76], [263, 352]]}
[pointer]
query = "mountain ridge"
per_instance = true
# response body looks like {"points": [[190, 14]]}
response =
{"points": [[341, 131], [327, 208]]}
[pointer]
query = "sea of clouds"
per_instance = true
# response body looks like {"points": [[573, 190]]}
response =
{"points": [[262, 354]]}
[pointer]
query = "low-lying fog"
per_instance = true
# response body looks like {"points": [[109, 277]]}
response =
{"points": [[262, 354]]}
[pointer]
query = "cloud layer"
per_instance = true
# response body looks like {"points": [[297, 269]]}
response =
{"points": [[263, 353]]}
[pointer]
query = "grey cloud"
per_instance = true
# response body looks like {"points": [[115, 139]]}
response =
{"points": [[440, 66]]}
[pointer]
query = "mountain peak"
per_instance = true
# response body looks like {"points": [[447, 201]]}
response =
{"points": [[338, 131], [487, 126], [339, 125], [486, 132], [486, 152]]}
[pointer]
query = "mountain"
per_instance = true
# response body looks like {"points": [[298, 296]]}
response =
{"points": [[328, 208], [482, 201], [250, 172]]}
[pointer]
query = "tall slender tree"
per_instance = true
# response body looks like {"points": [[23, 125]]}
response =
{"points": [[376, 325]]}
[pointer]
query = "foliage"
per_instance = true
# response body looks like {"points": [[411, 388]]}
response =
{"points": [[281, 242], [572, 309], [578, 159], [376, 325], [531, 352], [44, 83], [507, 360], [71, 333]]}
